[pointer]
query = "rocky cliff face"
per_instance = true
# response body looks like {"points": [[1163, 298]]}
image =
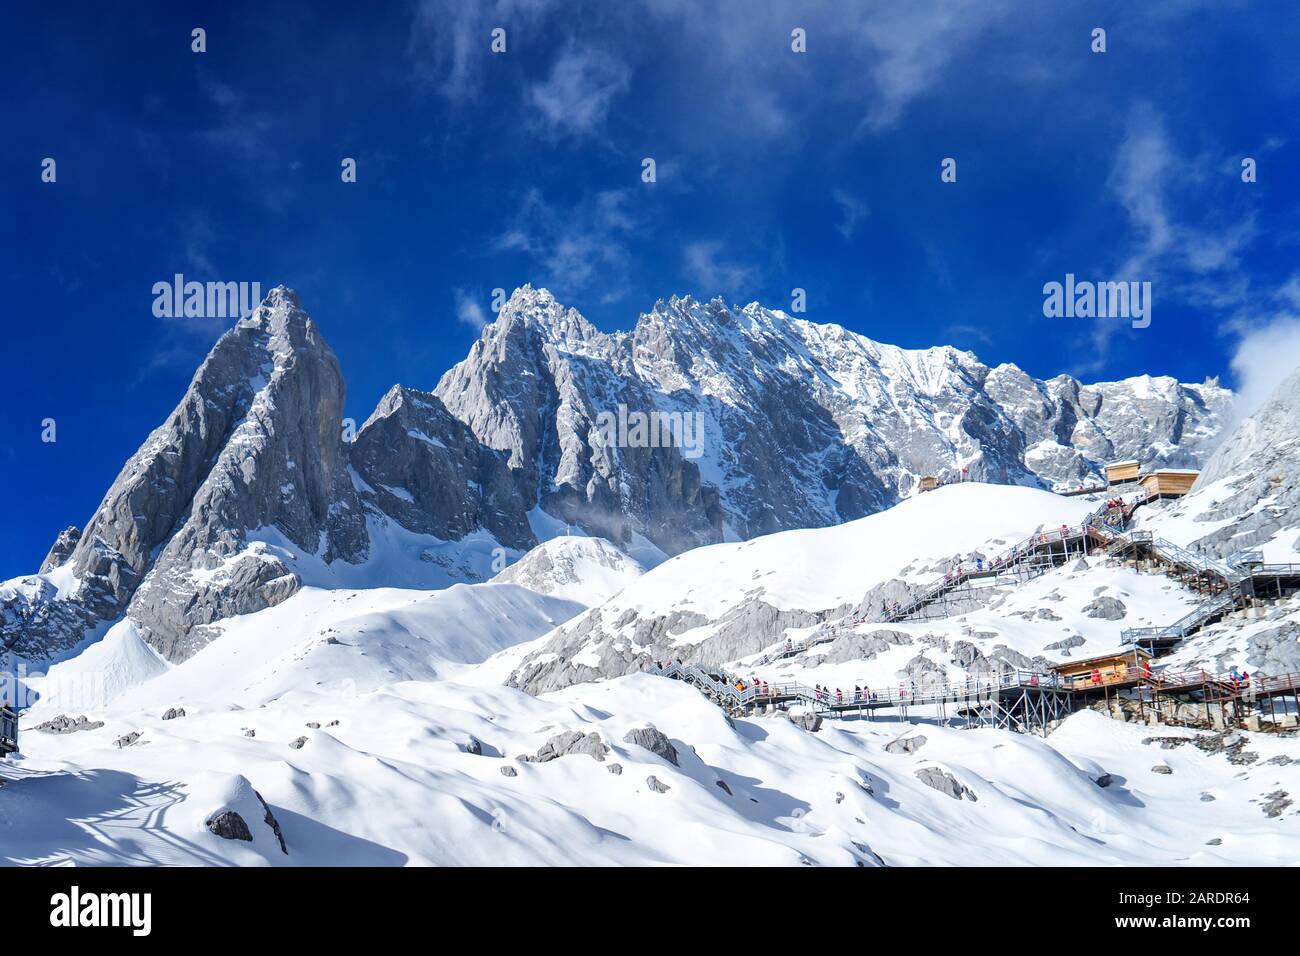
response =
{"points": [[254, 443], [424, 468], [702, 423], [802, 425], [1250, 487], [280, 464]]}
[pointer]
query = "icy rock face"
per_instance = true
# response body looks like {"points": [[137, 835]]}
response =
{"points": [[1259, 466], [280, 464], [572, 567], [804, 425], [62, 549], [605, 642], [427, 471], [781, 423], [253, 444], [534, 386]]}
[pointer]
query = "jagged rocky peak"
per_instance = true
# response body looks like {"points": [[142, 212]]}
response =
{"points": [[62, 549], [252, 449], [419, 465], [279, 472], [759, 422]]}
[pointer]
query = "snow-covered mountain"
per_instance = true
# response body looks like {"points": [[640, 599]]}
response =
{"points": [[249, 490], [804, 425], [372, 726]]}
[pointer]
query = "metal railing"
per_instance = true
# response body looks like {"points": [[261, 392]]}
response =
{"points": [[1025, 558], [1199, 616]]}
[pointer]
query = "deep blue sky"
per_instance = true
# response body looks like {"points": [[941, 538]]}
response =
{"points": [[476, 171]]}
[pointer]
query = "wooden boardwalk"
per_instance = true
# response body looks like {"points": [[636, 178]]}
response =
{"points": [[1020, 700]]}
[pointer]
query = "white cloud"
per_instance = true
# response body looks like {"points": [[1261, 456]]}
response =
{"points": [[469, 311], [574, 246], [713, 274], [1267, 351], [1148, 169], [1182, 242], [852, 211], [450, 40], [576, 95], [909, 45]]}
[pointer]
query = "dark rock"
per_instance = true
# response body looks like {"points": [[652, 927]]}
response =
{"points": [[274, 824], [654, 741], [229, 825], [657, 785], [1278, 801], [1107, 609], [905, 745], [1162, 768], [945, 783], [64, 724], [509, 771], [173, 712], [298, 744], [126, 740], [570, 742], [723, 785], [615, 768]]}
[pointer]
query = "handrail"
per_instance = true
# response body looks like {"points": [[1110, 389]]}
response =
{"points": [[1021, 553], [972, 690]]}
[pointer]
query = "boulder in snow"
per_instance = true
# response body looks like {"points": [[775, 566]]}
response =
{"points": [[654, 741], [945, 783], [1107, 609], [905, 745]]}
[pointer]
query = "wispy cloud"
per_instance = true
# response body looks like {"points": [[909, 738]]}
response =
{"points": [[450, 40], [852, 211], [574, 245], [469, 311], [712, 271], [1148, 169], [575, 97], [908, 47], [1181, 238]]}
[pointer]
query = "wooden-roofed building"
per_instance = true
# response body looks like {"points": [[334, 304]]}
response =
{"points": [[929, 483], [1114, 668], [1169, 482], [1118, 472]]}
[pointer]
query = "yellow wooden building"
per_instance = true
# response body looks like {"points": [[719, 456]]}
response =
{"points": [[1169, 482], [1114, 668], [1121, 471]]}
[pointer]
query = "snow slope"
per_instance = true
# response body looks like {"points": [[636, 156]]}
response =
{"points": [[375, 726]]}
